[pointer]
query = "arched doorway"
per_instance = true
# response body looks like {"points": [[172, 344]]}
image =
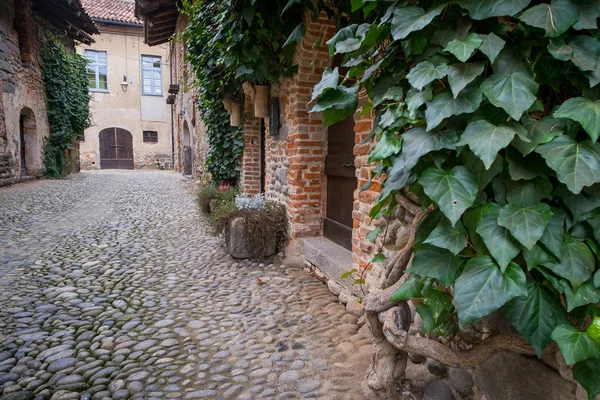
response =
{"points": [[116, 149], [29, 143], [187, 150]]}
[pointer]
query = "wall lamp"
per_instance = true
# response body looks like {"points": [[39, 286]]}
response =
{"points": [[124, 84]]}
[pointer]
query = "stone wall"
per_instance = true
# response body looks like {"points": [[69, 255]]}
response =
{"points": [[22, 33], [186, 109]]}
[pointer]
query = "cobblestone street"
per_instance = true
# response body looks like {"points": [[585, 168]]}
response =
{"points": [[112, 287]]}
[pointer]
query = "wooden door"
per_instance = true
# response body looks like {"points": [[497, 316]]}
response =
{"points": [[341, 183], [22, 150], [116, 149]]}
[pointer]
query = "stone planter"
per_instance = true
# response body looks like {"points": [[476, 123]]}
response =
{"points": [[236, 239]]}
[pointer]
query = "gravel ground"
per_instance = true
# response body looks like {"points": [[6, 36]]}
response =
{"points": [[112, 287]]}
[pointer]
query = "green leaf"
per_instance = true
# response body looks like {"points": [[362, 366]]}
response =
{"points": [[464, 49], [537, 256], [514, 93], [574, 345], [491, 46], [589, 11], [439, 302], [347, 274], [524, 168], [434, 262], [578, 204], [372, 235], [539, 131], [555, 18], [378, 258], [415, 99], [528, 193], [454, 191], [445, 105], [357, 4], [409, 290], [483, 176], [289, 5], [482, 288], [329, 80], [296, 35], [424, 73], [587, 373], [584, 294], [576, 164], [460, 75], [554, 235], [448, 237], [536, 315], [577, 263], [411, 19], [526, 224], [486, 140], [429, 322], [584, 111], [482, 9], [387, 146], [501, 245], [417, 143], [337, 105]]}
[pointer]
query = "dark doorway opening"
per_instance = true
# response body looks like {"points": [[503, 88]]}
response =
{"points": [[22, 139], [341, 183]]}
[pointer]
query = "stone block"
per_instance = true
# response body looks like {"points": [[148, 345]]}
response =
{"points": [[238, 245], [501, 378]]}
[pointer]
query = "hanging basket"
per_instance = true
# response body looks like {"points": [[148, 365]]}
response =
{"points": [[235, 115], [261, 101]]}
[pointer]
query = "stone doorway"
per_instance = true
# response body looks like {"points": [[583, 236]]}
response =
{"points": [[29, 143], [187, 150]]}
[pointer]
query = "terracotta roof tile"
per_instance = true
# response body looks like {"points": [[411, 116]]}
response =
{"points": [[111, 10]]}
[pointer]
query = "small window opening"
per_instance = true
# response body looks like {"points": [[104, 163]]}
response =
{"points": [[21, 25], [150, 137]]}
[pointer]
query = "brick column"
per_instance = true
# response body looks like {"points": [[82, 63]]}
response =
{"points": [[250, 169]]}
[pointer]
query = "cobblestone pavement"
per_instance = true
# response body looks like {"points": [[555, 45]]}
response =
{"points": [[111, 287]]}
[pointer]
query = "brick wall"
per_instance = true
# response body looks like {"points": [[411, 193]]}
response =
{"points": [[250, 170]]}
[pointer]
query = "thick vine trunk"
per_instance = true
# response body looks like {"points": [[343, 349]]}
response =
{"points": [[388, 364]]}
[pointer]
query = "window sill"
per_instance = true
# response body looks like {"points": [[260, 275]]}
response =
{"points": [[152, 94], [98, 91]]}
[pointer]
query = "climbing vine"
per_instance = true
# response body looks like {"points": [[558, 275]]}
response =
{"points": [[489, 111], [66, 85], [230, 42]]}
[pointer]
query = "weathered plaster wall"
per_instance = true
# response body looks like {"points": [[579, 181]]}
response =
{"points": [[129, 110], [22, 88]]}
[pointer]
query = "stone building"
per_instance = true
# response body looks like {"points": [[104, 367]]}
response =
{"points": [[24, 26], [129, 84], [162, 24]]}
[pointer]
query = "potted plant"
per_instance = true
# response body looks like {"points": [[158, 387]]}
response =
{"points": [[261, 101]]}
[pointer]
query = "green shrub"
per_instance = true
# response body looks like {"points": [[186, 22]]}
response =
{"points": [[206, 194]]}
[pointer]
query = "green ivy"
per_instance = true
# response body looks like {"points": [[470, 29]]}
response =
{"points": [[230, 42], [489, 111], [66, 84]]}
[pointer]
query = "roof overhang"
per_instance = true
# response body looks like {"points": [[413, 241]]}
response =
{"points": [[70, 16], [160, 19]]}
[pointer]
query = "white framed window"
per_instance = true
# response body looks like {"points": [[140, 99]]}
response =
{"points": [[151, 75], [97, 70]]}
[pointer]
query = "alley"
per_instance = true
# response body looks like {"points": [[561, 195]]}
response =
{"points": [[112, 287]]}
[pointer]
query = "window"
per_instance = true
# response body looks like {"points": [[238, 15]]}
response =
{"points": [[96, 70], [150, 137], [151, 75]]}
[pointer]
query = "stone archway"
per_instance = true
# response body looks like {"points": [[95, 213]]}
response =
{"points": [[187, 149], [29, 147]]}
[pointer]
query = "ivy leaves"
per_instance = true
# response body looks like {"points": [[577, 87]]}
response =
{"points": [[494, 125]]}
